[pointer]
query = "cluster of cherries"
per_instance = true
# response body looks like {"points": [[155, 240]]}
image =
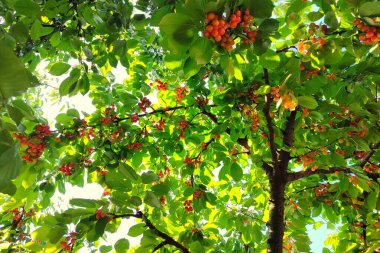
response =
{"points": [[162, 200], [371, 168], [201, 102], [188, 206], [163, 173], [221, 30], [313, 28], [100, 214], [117, 134], [370, 34], [197, 194], [36, 143], [180, 94], [160, 85], [17, 216], [275, 91], [308, 159], [190, 161], [110, 116], [67, 169], [160, 125], [144, 104], [134, 145], [69, 242], [80, 126], [322, 190], [294, 204], [134, 118], [355, 122], [250, 112], [182, 125], [304, 46], [182, 128]]}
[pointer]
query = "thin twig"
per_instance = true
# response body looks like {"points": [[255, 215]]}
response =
{"points": [[167, 239]]}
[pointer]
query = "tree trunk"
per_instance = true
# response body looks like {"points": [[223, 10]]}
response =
{"points": [[276, 214]]}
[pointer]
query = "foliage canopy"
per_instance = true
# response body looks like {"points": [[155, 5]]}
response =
{"points": [[239, 123]]}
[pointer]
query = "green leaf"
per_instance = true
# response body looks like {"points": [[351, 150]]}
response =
{"points": [[259, 8], [87, 203], [308, 102], [227, 64], [269, 26], [236, 172], [7, 187], [26, 7], [24, 108], [137, 229], [13, 75], [41, 233], [15, 114], [269, 59], [237, 73], [118, 181], [201, 51], [151, 199], [331, 19], [180, 30], [100, 226], [196, 247], [161, 189], [122, 245], [77, 212], [223, 172], [371, 200], [128, 171], [370, 9], [105, 248], [129, 99], [38, 30], [149, 177], [59, 68], [264, 89], [69, 85], [56, 233], [55, 39], [191, 68], [10, 164], [173, 61], [20, 32]]}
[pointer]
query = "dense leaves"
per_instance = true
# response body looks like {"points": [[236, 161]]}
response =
{"points": [[219, 126]]}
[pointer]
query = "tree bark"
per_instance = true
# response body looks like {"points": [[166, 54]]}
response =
{"points": [[277, 181], [276, 215]]}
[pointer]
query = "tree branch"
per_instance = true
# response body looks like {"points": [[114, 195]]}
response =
{"points": [[288, 138], [167, 239], [307, 188], [268, 169], [285, 49], [211, 116], [369, 154], [242, 141], [159, 246], [306, 173], [302, 174], [268, 118], [164, 110]]}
